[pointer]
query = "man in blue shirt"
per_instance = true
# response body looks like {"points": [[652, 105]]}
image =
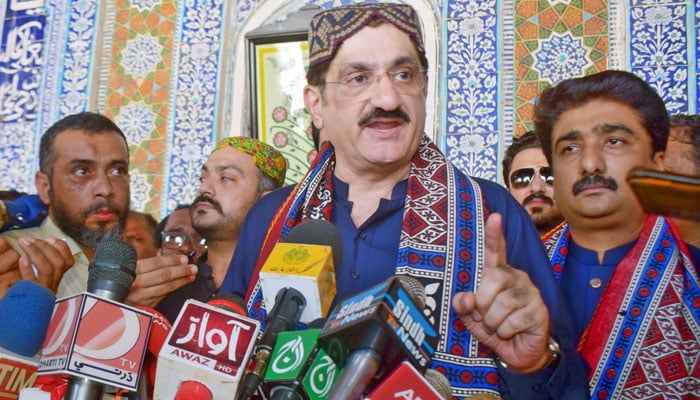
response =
{"points": [[402, 208], [627, 276]]}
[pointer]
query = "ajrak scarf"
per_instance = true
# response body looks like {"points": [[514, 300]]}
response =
{"points": [[644, 339], [441, 245]]}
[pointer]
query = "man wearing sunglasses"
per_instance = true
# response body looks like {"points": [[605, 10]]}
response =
{"points": [[529, 179], [238, 172], [628, 278]]}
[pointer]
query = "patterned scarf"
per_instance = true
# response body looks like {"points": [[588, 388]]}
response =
{"points": [[644, 339], [441, 245]]}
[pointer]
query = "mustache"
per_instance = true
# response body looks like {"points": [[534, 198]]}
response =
{"points": [[540, 196], [591, 180], [380, 113], [204, 198], [102, 204]]}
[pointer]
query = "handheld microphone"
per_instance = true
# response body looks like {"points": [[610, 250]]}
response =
{"points": [[93, 337], [206, 352], [376, 330], [305, 261], [229, 302], [405, 382], [25, 313], [284, 316]]}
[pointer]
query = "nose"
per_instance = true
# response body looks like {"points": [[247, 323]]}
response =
{"points": [[205, 187], [591, 161], [103, 184], [383, 94], [537, 185]]}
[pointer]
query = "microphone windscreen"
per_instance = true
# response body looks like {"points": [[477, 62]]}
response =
{"points": [[25, 313], [113, 269], [439, 382], [229, 302], [414, 288], [318, 232]]}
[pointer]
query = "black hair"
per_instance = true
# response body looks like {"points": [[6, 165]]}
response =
{"points": [[528, 140], [620, 86], [86, 122]]}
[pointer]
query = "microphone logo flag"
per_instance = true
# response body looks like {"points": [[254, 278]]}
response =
{"points": [[296, 358], [95, 338], [207, 345], [305, 267]]}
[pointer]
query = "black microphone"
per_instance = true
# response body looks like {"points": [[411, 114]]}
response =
{"points": [[371, 333], [289, 304], [110, 276]]}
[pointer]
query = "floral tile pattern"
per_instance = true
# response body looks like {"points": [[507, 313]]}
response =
{"points": [[139, 89], [555, 40], [161, 70], [22, 28]]}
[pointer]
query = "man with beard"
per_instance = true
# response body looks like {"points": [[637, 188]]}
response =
{"points": [[627, 277], [237, 173], [528, 177], [83, 179]]}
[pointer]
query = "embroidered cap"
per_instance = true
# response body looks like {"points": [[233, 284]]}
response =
{"points": [[330, 28], [270, 161]]}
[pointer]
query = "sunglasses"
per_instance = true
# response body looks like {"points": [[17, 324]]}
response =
{"points": [[523, 177]]}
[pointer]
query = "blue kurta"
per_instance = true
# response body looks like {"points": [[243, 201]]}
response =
{"points": [[369, 257]]}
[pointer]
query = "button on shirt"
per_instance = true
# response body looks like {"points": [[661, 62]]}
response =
{"points": [[584, 280], [370, 258]]}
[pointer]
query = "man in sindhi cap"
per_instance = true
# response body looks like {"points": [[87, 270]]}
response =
{"points": [[402, 208], [238, 172]]}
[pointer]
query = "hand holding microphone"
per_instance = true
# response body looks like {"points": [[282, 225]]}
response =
{"points": [[93, 337]]}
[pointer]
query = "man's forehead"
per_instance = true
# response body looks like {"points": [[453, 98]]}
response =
{"points": [[228, 157], [358, 50], [76, 144]]}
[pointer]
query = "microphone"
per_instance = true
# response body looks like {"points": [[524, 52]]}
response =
{"points": [[375, 331], [299, 369], [160, 328], [284, 316], [25, 313], [206, 353], [94, 338], [405, 382], [304, 261], [229, 302]]}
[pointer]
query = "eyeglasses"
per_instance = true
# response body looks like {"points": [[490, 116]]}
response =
{"points": [[407, 80], [523, 177], [181, 241]]}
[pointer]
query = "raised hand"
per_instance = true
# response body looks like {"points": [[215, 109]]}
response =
{"points": [[506, 312]]}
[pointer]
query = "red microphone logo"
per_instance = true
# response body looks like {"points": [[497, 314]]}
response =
{"points": [[212, 338]]}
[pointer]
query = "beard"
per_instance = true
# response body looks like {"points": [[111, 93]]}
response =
{"points": [[545, 218], [76, 228], [223, 228]]}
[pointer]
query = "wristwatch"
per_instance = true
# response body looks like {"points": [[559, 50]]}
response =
{"points": [[554, 355]]}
